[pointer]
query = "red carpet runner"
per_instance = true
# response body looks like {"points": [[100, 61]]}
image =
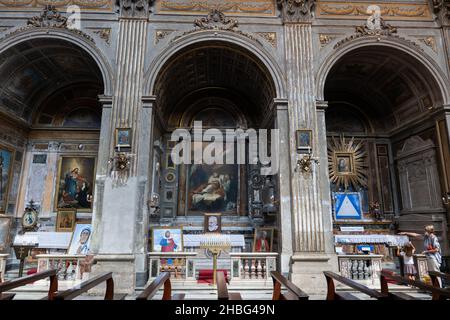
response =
{"points": [[206, 275]]}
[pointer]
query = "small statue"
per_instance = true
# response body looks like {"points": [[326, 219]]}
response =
{"points": [[374, 209]]}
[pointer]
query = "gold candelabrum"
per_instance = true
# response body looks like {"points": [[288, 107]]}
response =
{"points": [[215, 243]]}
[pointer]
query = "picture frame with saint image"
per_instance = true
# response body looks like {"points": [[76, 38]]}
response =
{"points": [[212, 223], [263, 239], [344, 163], [81, 240], [303, 140], [167, 239], [66, 220], [123, 137]]}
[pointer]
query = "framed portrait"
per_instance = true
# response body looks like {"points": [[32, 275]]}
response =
{"points": [[66, 220], [347, 205], [263, 240], [6, 165], [167, 239], [123, 137], [344, 163], [303, 140], [5, 228], [75, 183], [81, 239], [212, 223]]}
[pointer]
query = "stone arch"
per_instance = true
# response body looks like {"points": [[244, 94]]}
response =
{"points": [[406, 46], [242, 41], [84, 43]]}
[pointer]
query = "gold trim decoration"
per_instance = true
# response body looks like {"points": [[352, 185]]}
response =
{"points": [[346, 162], [104, 34], [270, 37], [85, 5], [161, 34], [429, 41], [254, 8], [389, 10], [326, 39]]}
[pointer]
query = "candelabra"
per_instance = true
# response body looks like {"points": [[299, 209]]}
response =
{"points": [[215, 243]]}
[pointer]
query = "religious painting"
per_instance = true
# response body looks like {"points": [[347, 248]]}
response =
{"points": [[303, 140], [213, 188], [212, 223], [6, 164], [123, 137], [75, 183], [65, 220], [347, 205], [263, 240], [5, 228], [167, 239], [344, 163], [81, 239]]}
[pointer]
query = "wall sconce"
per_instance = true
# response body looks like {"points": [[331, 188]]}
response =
{"points": [[305, 163], [153, 204]]}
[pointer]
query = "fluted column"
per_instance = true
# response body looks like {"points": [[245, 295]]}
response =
{"points": [[120, 228], [310, 218]]}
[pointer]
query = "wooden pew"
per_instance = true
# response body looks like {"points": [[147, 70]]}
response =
{"points": [[16, 283], [437, 293], [222, 290], [162, 280], [434, 275], [333, 295], [294, 292], [89, 284]]}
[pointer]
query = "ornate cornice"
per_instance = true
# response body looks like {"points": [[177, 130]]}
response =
{"points": [[50, 18], [296, 11], [136, 9]]}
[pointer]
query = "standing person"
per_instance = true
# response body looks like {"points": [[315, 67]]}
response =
{"points": [[431, 246], [409, 270]]}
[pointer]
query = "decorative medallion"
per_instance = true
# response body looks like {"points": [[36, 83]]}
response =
{"points": [[270, 37], [326, 39], [50, 17], [30, 217], [161, 34], [346, 161], [429, 41], [105, 34]]}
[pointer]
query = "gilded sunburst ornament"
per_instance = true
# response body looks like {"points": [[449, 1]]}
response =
{"points": [[346, 161]]}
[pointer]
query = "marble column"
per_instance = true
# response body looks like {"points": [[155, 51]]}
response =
{"points": [[311, 219], [119, 230], [285, 224]]}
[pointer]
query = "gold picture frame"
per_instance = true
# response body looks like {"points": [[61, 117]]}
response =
{"points": [[123, 137], [216, 224], [61, 174], [157, 235], [6, 188], [257, 246], [66, 220], [344, 163]]}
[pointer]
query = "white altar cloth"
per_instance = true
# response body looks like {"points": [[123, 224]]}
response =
{"points": [[193, 240], [393, 240]]}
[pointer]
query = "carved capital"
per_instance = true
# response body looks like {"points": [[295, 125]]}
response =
{"points": [[138, 9], [296, 11]]}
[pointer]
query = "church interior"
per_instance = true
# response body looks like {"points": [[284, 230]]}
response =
{"points": [[356, 113]]}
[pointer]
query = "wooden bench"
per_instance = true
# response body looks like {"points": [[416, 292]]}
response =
{"points": [[16, 283], [89, 284], [333, 295], [434, 275], [436, 293], [222, 290], [293, 293], [162, 280]]}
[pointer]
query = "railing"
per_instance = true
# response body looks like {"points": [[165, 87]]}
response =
{"points": [[3, 257], [16, 283], [360, 267], [68, 266], [252, 265], [181, 265]]}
